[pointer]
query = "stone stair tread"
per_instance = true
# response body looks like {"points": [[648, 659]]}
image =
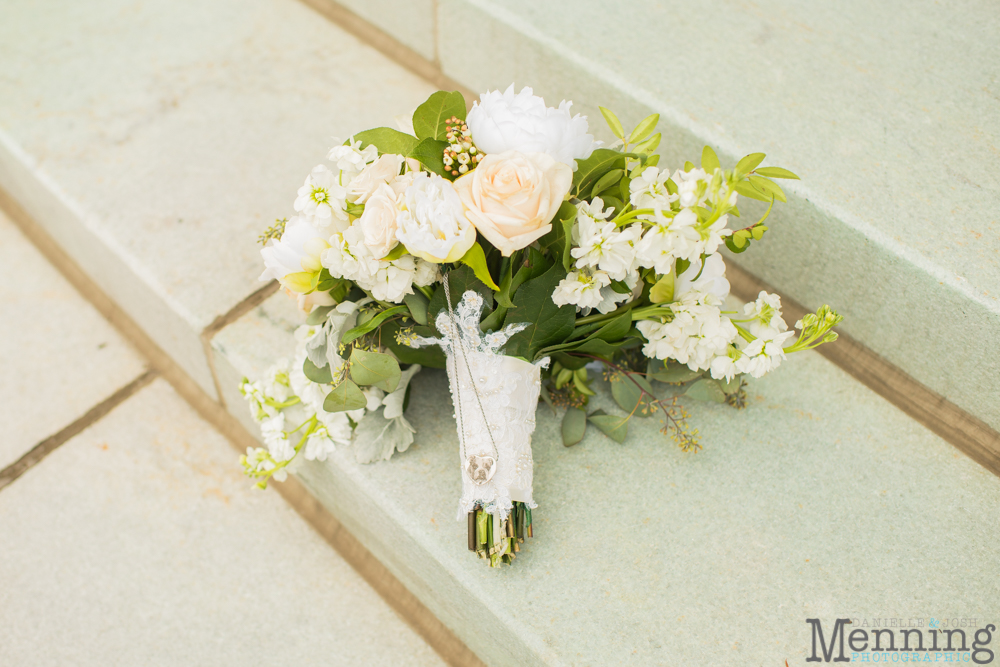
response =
{"points": [[59, 356], [817, 500], [156, 552], [171, 134]]}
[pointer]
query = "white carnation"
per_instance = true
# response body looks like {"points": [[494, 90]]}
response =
{"points": [[521, 122]]}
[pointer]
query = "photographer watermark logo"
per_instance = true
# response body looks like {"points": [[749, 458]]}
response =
{"points": [[907, 640]]}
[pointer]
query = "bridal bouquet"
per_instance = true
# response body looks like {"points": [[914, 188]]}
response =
{"points": [[510, 248]]}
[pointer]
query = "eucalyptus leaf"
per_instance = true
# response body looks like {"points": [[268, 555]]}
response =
{"points": [[318, 314], [345, 397], [372, 324], [574, 425], [387, 140], [706, 389], [316, 374], [376, 369], [430, 356], [429, 119], [417, 304], [671, 373], [475, 259], [612, 426], [628, 395]]}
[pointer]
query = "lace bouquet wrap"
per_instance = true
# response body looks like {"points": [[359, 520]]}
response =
{"points": [[495, 397], [555, 246]]}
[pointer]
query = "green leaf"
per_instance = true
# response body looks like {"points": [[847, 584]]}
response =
{"points": [[749, 163], [475, 259], [345, 397], [429, 118], [612, 426], [747, 190], [572, 363], [731, 244], [613, 123], [387, 140], [709, 160], [663, 290], [615, 329], [628, 394], [372, 324], [318, 314], [560, 239], [375, 369], [417, 304], [706, 389], [643, 129], [315, 374], [776, 172], [398, 251], [670, 373], [574, 425], [460, 280], [768, 186], [589, 171], [606, 181], [547, 323], [494, 320], [429, 357], [649, 145], [430, 153]]}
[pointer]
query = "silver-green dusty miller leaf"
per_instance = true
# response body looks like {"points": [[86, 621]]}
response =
{"points": [[386, 430]]}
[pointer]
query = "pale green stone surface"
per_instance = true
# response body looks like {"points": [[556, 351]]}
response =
{"points": [[888, 111], [58, 356], [819, 500], [139, 542], [156, 140], [412, 22]]}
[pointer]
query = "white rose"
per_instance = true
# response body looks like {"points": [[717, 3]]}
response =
{"points": [[512, 197], [378, 222], [432, 222], [502, 122], [379, 172]]}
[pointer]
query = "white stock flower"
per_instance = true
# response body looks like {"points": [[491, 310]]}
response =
{"points": [[319, 445], [649, 189], [582, 289], [349, 257], [712, 278], [692, 187], [764, 354], [695, 336], [432, 223], [351, 159], [273, 432], [426, 273], [506, 121], [669, 239], [766, 315], [724, 366], [600, 244], [713, 236], [323, 198], [294, 252]]}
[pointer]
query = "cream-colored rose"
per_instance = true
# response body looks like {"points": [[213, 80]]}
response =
{"points": [[378, 222], [511, 197], [378, 173]]}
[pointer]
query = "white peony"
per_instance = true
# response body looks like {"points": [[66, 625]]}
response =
{"points": [[502, 122], [432, 223]]}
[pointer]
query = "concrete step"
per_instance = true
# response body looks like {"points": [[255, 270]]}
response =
{"points": [[128, 534], [893, 131], [816, 501], [153, 141], [138, 542]]}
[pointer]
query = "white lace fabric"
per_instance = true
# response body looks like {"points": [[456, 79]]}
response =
{"points": [[508, 390]]}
